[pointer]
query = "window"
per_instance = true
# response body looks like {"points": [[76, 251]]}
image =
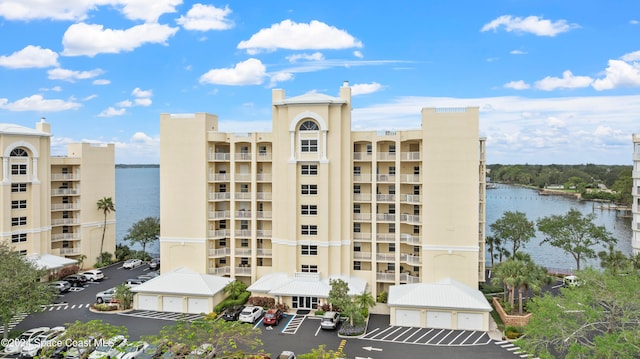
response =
{"points": [[223, 242], [391, 266], [392, 170], [309, 145], [244, 261], [416, 210], [309, 210], [357, 265], [356, 188], [392, 247], [19, 221], [392, 148], [416, 269], [309, 268], [392, 189], [416, 229], [21, 204], [244, 242], [309, 170], [222, 261], [416, 250], [222, 225], [18, 187], [244, 149], [262, 150], [309, 126], [222, 188], [18, 237], [309, 250], [244, 224], [23, 252], [244, 188], [369, 149], [309, 189], [357, 247], [356, 208], [416, 189], [416, 170], [18, 169], [19, 152], [356, 170], [356, 227], [392, 228], [309, 230], [392, 209]]}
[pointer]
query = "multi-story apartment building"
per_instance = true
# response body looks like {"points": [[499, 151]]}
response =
{"points": [[635, 208], [313, 199], [49, 202]]}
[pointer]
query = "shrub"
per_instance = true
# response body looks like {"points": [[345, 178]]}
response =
{"points": [[283, 307], [103, 260], [348, 330], [211, 316], [512, 332], [105, 307], [382, 297], [319, 312], [265, 302], [230, 302], [67, 270]]}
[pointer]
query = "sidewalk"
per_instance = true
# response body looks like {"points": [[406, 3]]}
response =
{"points": [[494, 333]]}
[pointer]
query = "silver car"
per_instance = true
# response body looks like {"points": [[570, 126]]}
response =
{"points": [[106, 296]]}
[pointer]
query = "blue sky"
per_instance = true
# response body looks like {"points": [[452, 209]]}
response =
{"points": [[556, 81]]}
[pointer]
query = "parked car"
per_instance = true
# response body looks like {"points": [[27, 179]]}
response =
{"points": [[272, 317], [330, 320], [149, 275], [250, 314], [35, 344], [154, 264], [204, 351], [94, 275], [132, 263], [287, 355], [61, 285], [570, 281], [232, 313], [109, 349], [132, 282], [105, 296], [76, 280], [152, 351], [14, 347], [78, 352], [132, 349]]}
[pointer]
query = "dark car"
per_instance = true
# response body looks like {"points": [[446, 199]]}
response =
{"points": [[154, 264], [153, 351], [272, 317], [232, 313], [76, 280]]}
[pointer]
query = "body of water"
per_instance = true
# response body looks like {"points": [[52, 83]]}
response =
{"points": [[138, 196]]}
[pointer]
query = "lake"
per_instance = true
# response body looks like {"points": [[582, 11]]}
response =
{"points": [[138, 196]]}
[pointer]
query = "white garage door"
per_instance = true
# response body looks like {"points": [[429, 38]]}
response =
{"points": [[439, 320], [172, 304], [147, 302], [470, 321], [408, 318], [198, 305]]}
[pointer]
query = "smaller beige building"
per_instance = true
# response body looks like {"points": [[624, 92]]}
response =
{"points": [[181, 290], [447, 304]]}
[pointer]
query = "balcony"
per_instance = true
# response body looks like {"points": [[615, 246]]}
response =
{"points": [[362, 216], [219, 252], [263, 177], [242, 177], [220, 156], [362, 237], [410, 239], [246, 233], [264, 252], [64, 206], [410, 198], [263, 233], [410, 218], [362, 197], [386, 197], [362, 256], [70, 251], [266, 196], [385, 237], [243, 270], [362, 156], [385, 217], [386, 257], [219, 196], [64, 237], [64, 191], [243, 195], [410, 156], [264, 156], [386, 156], [406, 278], [263, 215], [219, 233], [64, 177], [219, 177], [243, 214], [385, 277], [366, 177], [386, 178], [64, 221], [220, 270], [242, 252], [242, 156], [410, 178], [409, 259], [219, 214]]}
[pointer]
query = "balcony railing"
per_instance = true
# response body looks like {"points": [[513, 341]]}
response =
{"points": [[243, 195], [263, 233], [242, 156], [386, 197], [69, 251], [219, 252], [243, 214], [64, 206], [64, 177], [263, 214], [265, 177], [388, 217], [242, 252], [219, 214], [64, 221], [409, 259], [410, 178], [362, 156], [410, 198], [220, 233], [220, 270], [243, 233], [362, 216], [220, 177], [64, 191], [410, 156], [362, 255], [386, 156], [410, 218], [406, 278], [64, 236], [264, 196], [410, 239], [264, 252], [362, 197], [242, 177], [243, 270], [386, 257], [364, 177], [216, 196], [386, 178], [264, 156], [386, 237], [362, 237], [221, 156], [385, 277]]}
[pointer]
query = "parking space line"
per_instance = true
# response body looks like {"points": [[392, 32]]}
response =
{"points": [[414, 333], [397, 328], [403, 333], [435, 336], [383, 331], [423, 335], [468, 336], [445, 337], [457, 336]]}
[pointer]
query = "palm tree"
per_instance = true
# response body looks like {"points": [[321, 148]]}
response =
{"points": [[107, 206], [613, 260], [235, 288], [364, 300], [493, 242]]}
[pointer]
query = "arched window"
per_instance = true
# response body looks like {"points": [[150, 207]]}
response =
{"points": [[19, 152], [309, 126]]}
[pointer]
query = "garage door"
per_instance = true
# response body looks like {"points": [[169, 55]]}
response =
{"points": [[439, 320], [408, 318], [172, 304], [198, 305], [147, 302], [470, 321]]}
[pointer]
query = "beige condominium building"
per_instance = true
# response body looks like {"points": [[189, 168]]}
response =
{"points": [[48, 203], [286, 210], [635, 208]]}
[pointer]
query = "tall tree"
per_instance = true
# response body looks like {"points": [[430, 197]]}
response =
{"points": [[86, 333], [493, 243], [21, 290], [596, 320], [514, 227], [143, 232], [614, 261], [575, 234], [107, 206], [235, 288]]}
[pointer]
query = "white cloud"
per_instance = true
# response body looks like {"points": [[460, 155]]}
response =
{"points": [[72, 76], [278, 77], [362, 89], [137, 92], [30, 57], [101, 82], [112, 112], [619, 74], [568, 81], [316, 56], [125, 103], [147, 10], [90, 97], [517, 85], [90, 40], [634, 22], [358, 54], [517, 52], [249, 72], [290, 35], [38, 103], [530, 24], [143, 102], [206, 17], [632, 56]]}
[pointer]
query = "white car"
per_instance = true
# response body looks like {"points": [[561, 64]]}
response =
{"points": [[15, 346], [250, 314], [105, 296], [132, 263], [132, 350], [204, 351], [33, 346], [110, 348], [94, 275], [286, 355]]}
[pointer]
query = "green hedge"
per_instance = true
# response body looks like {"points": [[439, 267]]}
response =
{"points": [[230, 302]]}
